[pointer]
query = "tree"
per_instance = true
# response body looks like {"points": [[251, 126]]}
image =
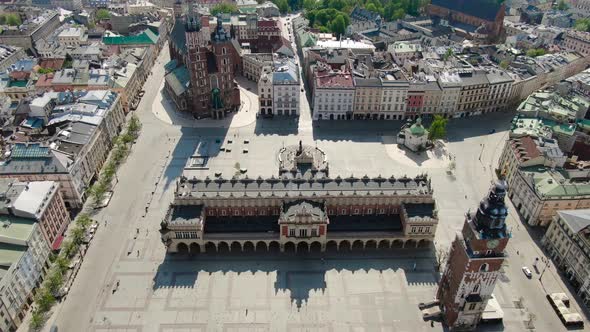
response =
{"points": [[583, 24], [442, 255], [338, 25], [102, 14], [309, 5], [12, 19], [45, 70], [449, 53], [44, 300], [83, 220], [535, 52], [504, 64], [562, 5], [54, 281], [77, 235], [283, 5], [224, 7], [37, 320], [438, 128]]}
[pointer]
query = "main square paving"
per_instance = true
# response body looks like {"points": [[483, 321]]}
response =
{"points": [[371, 291]]}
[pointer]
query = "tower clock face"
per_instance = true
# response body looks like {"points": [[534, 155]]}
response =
{"points": [[493, 244]]}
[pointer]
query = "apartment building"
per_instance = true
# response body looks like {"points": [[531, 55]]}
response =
{"points": [[395, 92], [333, 95], [40, 201], [253, 64], [538, 192], [367, 99], [23, 259], [568, 242], [578, 41], [286, 86], [529, 151], [83, 126]]}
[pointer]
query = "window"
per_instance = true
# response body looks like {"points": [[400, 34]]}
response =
{"points": [[303, 232], [343, 211], [484, 267], [476, 289], [292, 232], [314, 232]]}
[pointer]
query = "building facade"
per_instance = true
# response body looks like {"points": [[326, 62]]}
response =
{"points": [[474, 262], [286, 85], [568, 242], [333, 95], [302, 209], [253, 64], [578, 41], [24, 253]]}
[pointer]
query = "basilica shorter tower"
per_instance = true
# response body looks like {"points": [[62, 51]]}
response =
{"points": [[474, 263]]}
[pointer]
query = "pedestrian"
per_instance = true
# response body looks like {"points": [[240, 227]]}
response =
{"points": [[246, 312], [518, 252], [137, 230], [414, 266], [138, 253]]}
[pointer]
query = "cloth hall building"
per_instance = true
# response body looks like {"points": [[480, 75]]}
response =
{"points": [[301, 209]]}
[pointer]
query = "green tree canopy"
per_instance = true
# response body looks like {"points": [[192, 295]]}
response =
{"points": [[583, 24], [338, 25], [504, 64], [562, 5], [438, 128], [283, 6], [102, 14], [535, 52], [10, 19], [224, 7]]}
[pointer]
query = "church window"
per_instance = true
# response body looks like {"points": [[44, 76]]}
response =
{"points": [[484, 267], [356, 211], [369, 211], [224, 51]]}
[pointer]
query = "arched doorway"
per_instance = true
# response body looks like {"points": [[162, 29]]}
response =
{"points": [[248, 246], [182, 248], [195, 248], [210, 247], [397, 244], [423, 244], [344, 246], [261, 246], [274, 246], [223, 247], [358, 245], [315, 247], [332, 246], [290, 247], [235, 246], [371, 245], [302, 247], [383, 244], [410, 244]]}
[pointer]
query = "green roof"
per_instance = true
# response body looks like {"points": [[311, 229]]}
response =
{"points": [[16, 228], [564, 129], [554, 183], [146, 37], [18, 84], [10, 253]]}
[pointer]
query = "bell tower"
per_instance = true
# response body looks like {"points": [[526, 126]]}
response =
{"points": [[474, 263]]}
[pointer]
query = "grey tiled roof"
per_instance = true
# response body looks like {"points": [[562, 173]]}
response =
{"points": [[293, 187]]}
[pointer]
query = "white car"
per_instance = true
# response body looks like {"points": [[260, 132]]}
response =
{"points": [[527, 272]]}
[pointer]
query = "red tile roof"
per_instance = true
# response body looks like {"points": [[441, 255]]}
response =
{"points": [[52, 63], [334, 80], [525, 147]]}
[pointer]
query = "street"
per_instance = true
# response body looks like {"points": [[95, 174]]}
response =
{"points": [[377, 291]]}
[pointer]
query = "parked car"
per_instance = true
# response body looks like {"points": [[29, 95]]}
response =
{"points": [[527, 272]]}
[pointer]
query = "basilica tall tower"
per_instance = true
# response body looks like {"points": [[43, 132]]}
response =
{"points": [[474, 263]]}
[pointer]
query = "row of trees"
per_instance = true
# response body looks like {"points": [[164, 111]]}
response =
{"points": [[224, 7], [118, 154], [56, 276]]}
